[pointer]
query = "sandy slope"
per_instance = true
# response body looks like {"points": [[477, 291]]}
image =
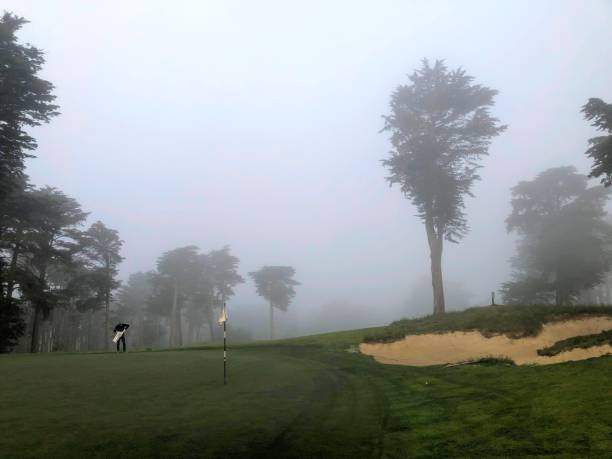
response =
{"points": [[455, 347]]}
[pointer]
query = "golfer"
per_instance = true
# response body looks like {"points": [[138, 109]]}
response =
{"points": [[120, 337]]}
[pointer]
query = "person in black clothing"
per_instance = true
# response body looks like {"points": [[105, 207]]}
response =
{"points": [[121, 328]]}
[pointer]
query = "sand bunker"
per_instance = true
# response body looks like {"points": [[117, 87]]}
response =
{"points": [[457, 347]]}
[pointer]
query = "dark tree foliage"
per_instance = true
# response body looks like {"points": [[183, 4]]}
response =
{"points": [[275, 284], [179, 270], [16, 219], [440, 127], [219, 277], [48, 244], [12, 325], [100, 247], [565, 245], [197, 283], [222, 268], [25, 101], [133, 298], [599, 114]]}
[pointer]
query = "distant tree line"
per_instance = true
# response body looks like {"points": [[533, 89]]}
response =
{"points": [[58, 281], [180, 301]]}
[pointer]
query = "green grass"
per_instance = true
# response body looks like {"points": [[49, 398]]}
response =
{"points": [[584, 341], [301, 398], [514, 321]]}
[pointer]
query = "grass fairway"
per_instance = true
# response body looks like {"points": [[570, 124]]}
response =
{"points": [[298, 398]]}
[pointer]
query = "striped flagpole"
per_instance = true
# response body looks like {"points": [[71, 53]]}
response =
{"points": [[223, 320], [225, 347]]}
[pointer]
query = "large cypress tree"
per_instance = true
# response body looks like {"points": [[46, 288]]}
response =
{"points": [[101, 246], [25, 101], [440, 127]]}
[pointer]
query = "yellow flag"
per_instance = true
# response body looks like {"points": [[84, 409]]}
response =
{"points": [[223, 317]]}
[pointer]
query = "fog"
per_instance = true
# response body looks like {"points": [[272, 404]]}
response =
{"points": [[257, 124]]}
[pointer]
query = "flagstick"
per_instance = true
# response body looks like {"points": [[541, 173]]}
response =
{"points": [[224, 349]]}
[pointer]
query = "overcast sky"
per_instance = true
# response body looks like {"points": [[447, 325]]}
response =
{"points": [[256, 124]]}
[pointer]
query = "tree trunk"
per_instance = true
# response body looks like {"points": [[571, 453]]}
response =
{"points": [[42, 279], [35, 328], [106, 320], [89, 337], [142, 330], [107, 296], [172, 338], [271, 321], [52, 330], [158, 332], [12, 270], [210, 321], [190, 332], [435, 253], [179, 326]]}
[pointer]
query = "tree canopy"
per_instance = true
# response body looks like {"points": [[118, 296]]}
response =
{"points": [[27, 101], [277, 285], [565, 244], [600, 147]]}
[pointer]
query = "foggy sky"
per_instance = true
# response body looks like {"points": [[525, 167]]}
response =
{"points": [[256, 124]]}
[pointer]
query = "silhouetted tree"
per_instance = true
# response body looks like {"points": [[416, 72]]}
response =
{"points": [[205, 298], [222, 267], [159, 304], [565, 244], [440, 127], [133, 298], [25, 101], [86, 289], [101, 247], [16, 219], [181, 269], [600, 149], [50, 241], [220, 270], [275, 284]]}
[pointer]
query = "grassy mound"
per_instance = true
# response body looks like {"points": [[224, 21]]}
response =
{"points": [[582, 342], [513, 321]]}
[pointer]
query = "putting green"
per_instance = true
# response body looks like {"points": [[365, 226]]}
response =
{"points": [[301, 398]]}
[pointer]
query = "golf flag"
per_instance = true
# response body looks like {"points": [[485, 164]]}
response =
{"points": [[223, 317]]}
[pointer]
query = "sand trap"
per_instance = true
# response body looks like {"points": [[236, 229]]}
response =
{"points": [[456, 347]]}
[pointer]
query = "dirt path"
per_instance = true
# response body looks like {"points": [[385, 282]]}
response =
{"points": [[456, 347]]}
